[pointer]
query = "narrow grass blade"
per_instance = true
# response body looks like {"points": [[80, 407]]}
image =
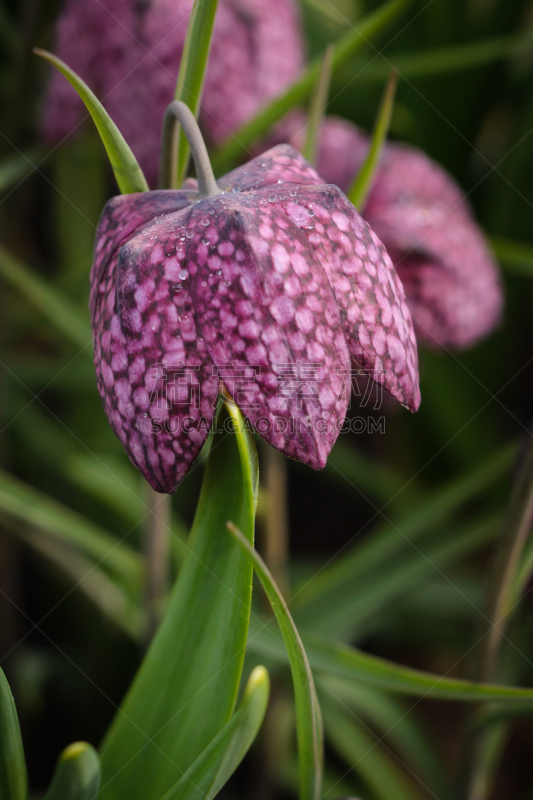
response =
{"points": [[14, 169], [515, 256], [385, 543], [351, 610], [191, 76], [127, 171], [445, 60], [13, 779], [58, 310], [395, 724], [317, 108], [41, 512], [308, 718], [345, 47], [77, 774], [215, 766], [365, 754], [185, 690], [362, 183], [334, 658]]}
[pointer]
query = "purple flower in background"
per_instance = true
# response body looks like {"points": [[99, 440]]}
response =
{"points": [[451, 281], [129, 51], [273, 285]]}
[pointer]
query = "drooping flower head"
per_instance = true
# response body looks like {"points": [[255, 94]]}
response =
{"points": [[274, 281], [129, 52], [450, 278]]}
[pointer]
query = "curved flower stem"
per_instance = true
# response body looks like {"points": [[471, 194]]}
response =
{"points": [[487, 745], [176, 114]]}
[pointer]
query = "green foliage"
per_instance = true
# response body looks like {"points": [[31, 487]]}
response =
{"points": [[125, 167], [186, 688], [13, 779], [77, 774], [308, 717]]}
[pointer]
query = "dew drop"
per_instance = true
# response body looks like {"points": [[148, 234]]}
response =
{"points": [[205, 222], [205, 240], [293, 193], [177, 287], [311, 212], [189, 234], [183, 275], [236, 189], [272, 199]]}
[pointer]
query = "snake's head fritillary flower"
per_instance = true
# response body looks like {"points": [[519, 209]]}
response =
{"points": [[274, 284], [451, 280], [129, 53]]}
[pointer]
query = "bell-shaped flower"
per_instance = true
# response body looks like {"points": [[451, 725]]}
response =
{"points": [[129, 52], [273, 286], [451, 280]]}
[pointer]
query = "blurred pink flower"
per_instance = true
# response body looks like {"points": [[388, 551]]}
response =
{"points": [[129, 52], [451, 280]]}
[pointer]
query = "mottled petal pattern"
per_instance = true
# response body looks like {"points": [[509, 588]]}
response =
{"points": [[369, 294], [451, 280], [269, 319], [270, 289], [281, 164], [155, 377]]}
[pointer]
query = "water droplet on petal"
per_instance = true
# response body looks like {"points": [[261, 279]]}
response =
{"points": [[183, 275], [205, 240], [236, 189], [205, 222], [293, 193], [189, 234]]}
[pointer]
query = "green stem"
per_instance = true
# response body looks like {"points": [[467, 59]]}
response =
{"points": [[176, 114]]}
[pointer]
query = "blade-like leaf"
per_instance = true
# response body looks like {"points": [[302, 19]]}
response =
{"points": [[185, 690], [516, 256], [345, 47], [15, 168], [317, 108], [191, 76], [13, 779], [362, 183], [215, 766], [351, 610], [127, 171], [33, 508], [308, 718], [335, 658], [394, 722], [386, 543], [57, 309], [77, 774], [366, 756], [444, 60]]}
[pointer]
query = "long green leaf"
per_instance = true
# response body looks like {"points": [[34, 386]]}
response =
{"points": [[13, 779], [15, 168], [516, 256], [335, 658], [390, 718], [215, 766], [350, 610], [185, 690], [191, 76], [386, 543], [49, 301], [364, 754], [308, 718], [317, 108], [362, 183], [31, 507], [345, 47], [444, 60], [127, 171], [77, 774]]}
